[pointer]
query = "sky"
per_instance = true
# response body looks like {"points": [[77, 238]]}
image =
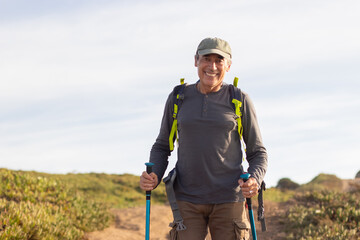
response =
{"points": [[83, 83]]}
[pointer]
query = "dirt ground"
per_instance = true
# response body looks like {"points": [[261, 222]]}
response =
{"points": [[130, 224]]}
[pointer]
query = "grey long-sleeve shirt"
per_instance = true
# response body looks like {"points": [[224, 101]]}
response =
{"points": [[209, 150]]}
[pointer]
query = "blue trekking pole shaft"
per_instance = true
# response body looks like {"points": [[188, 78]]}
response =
{"points": [[245, 177], [148, 202]]}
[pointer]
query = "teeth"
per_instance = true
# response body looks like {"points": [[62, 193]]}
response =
{"points": [[211, 74]]}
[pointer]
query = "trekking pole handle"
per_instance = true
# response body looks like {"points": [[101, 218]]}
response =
{"points": [[245, 177], [149, 166]]}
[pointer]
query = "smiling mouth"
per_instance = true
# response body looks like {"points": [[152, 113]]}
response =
{"points": [[210, 74]]}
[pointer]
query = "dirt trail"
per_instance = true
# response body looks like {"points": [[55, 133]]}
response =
{"points": [[130, 224]]}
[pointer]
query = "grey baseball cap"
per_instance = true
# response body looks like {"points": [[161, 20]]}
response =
{"points": [[214, 45]]}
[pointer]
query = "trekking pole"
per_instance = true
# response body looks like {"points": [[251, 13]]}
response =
{"points": [[245, 177], [148, 198]]}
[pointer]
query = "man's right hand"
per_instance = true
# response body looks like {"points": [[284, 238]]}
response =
{"points": [[148, 181]]}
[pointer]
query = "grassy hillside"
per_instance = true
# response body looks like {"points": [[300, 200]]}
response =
{"points": [[324, 215], [321, 209], [323, 182], [45, 206], [37, 207], [119, 191], [286, 189]]}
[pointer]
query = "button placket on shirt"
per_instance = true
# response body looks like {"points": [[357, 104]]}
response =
{"points": [[205, 106]]}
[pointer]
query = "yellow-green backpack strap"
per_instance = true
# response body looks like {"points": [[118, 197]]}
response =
{"points": [[182, 81], [238, 105], [235, 83], [235, 94], [173, 132], [178, 97]]}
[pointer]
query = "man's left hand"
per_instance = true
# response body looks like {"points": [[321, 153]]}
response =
{"points": [[249, 188]]}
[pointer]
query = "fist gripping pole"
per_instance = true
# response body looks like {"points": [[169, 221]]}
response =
{"points": [[148, 202], [245, 177]]}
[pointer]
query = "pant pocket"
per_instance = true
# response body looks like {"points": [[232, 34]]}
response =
{"points": [[173, 232], [242, 231]]}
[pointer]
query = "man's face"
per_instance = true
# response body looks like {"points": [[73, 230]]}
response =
{"points": [[211, 70]]}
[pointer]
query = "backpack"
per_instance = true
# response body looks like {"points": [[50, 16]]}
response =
{"points": [[178, 97], [237, 101]]}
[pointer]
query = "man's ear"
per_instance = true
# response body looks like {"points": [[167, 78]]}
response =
{"points": [[228, 66], [196, 64]]}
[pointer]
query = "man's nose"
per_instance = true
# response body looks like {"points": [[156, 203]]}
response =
{"points": [[213, 65]]}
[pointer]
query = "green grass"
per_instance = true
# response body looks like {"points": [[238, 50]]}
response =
{"points": [[34, 206], [64, 206], [120, 191], [277, 195], [324, 215], [323, 182], [321, 210]]}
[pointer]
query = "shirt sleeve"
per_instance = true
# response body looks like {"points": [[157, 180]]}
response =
{"points": [[160, 151], [256, 153]]}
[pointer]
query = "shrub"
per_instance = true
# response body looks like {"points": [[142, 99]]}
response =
{"points": [[357, 175], [36, 207], [287, 184], [325, 215]]}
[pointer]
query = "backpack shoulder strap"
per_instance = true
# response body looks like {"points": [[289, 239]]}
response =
{"points": [[178, 97], [236, 99]]}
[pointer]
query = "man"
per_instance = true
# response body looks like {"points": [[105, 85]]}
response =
{"points": [[208, 190]]}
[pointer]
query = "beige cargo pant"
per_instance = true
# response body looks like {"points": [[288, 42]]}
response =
{"points": [[227, 221]]}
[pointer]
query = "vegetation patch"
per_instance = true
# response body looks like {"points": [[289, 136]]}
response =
{"points": [[119, 191], [323, 182], [38, 207], [287, 184], [278, 195], [324, 215], [56, 206]]}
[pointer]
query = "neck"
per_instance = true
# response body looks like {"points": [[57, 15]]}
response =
{"points": [[208, 89]]}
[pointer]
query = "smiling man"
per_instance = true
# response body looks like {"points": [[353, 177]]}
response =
{"points": [[212, 64], [209, 193]]}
